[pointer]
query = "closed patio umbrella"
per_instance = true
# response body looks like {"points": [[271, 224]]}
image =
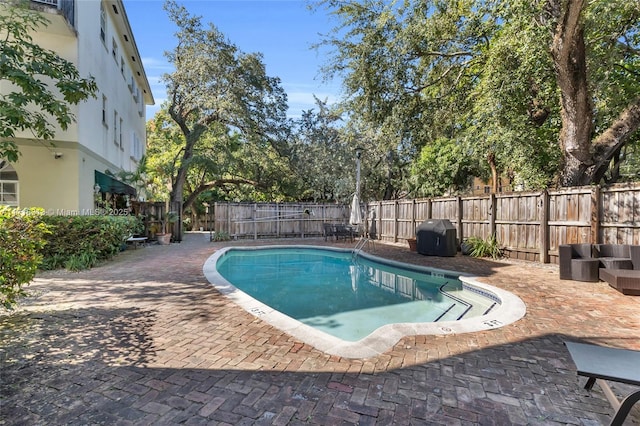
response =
{"points": [[356, 214]]}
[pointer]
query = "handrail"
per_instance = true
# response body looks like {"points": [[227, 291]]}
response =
{"points": [[359, 246]]}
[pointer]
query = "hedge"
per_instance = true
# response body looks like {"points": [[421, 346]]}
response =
{"points": [[22, 239], [80, 242]]}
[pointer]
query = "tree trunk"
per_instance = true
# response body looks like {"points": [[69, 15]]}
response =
{"points": [[491, 158], [192, 137], [569, 58]]}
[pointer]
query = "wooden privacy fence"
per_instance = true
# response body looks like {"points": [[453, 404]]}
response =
{"points": [[529, 225], [276, 220]]}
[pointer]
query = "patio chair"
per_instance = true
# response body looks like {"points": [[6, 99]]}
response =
{"points": [[577, 263], [344, 231], [329, 230]]}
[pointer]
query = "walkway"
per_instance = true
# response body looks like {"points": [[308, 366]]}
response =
{"points": [[146, 340]]}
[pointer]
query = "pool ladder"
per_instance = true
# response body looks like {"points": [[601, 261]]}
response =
{"points": [[360, 246]]}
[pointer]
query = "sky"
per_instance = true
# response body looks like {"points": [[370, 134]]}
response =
{"points": [[282, 30]]}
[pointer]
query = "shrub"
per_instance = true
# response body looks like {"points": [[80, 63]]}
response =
{"points": [[22, 238], [220, 236], [484, 248], [80, 242]]}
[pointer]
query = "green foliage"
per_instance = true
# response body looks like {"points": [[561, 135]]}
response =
{"points": [[484, 248], [220, 236], [321, 157], [442, 166], [480, 75], [80, 261], [80, 242], [25, 66], [22, 237]]}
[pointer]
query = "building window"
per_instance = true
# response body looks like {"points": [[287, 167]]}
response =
{"points": [[104, 110], [115, 127], [8, 184], [103, 24], [114, 50], [132, 86], [136, 148], [122, 66], [120, 136]]}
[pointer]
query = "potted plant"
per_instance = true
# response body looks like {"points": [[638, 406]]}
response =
{"points": [[169, 219], [413, 244]]}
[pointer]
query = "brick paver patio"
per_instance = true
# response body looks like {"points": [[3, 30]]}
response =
{"points": [[145, 339]]}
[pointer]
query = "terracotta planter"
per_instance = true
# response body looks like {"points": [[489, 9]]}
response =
{"points": [[413, 244], [164, 239]]}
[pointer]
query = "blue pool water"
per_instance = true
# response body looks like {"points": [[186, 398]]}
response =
{"points": [[344, 296]]}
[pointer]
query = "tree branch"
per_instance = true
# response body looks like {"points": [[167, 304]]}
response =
{"points": [[615, 137], [213, 184]]}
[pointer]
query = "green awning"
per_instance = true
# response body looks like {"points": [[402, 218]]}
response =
{"points": [[112, 185]]}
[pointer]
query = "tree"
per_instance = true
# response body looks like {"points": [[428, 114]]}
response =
{"points": [[408, 71], [544, 90], [583, 28], [223, 165], [321, 157], [215, 85], [41, 84], [441, 168]]}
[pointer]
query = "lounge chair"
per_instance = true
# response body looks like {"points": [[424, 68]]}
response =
{"points": [[601, 364]]}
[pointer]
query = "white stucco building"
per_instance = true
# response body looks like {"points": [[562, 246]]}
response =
{"points": [[108, 135]]}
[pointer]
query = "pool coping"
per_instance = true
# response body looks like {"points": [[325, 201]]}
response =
{"points": [[510, 310]]}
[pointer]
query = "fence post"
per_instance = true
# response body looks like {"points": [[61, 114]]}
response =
{"points": [[395, 221], [595, 214], [413, 216], [544, 226], [459, 219], [493, 210], [255, 224], [301, 221], [429, 208], [380, 234]]}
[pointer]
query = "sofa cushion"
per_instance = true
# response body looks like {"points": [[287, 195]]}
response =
{"points": [[611, 250]]}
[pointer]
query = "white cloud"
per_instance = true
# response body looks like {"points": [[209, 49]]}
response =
{"points": [[156, 64]]}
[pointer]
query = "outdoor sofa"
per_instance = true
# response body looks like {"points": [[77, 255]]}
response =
{"points": [[617, 264], [625, 280]]}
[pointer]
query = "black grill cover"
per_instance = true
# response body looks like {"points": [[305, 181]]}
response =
{"points": [[436, 237]]}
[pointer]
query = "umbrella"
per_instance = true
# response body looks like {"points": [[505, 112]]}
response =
{"points": [[356, 215]]}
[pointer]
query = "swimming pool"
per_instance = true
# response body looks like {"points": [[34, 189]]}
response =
{"points": [[354, 306]]}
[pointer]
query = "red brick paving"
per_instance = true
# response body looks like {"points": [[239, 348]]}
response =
{"points": [[145, 339]]}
